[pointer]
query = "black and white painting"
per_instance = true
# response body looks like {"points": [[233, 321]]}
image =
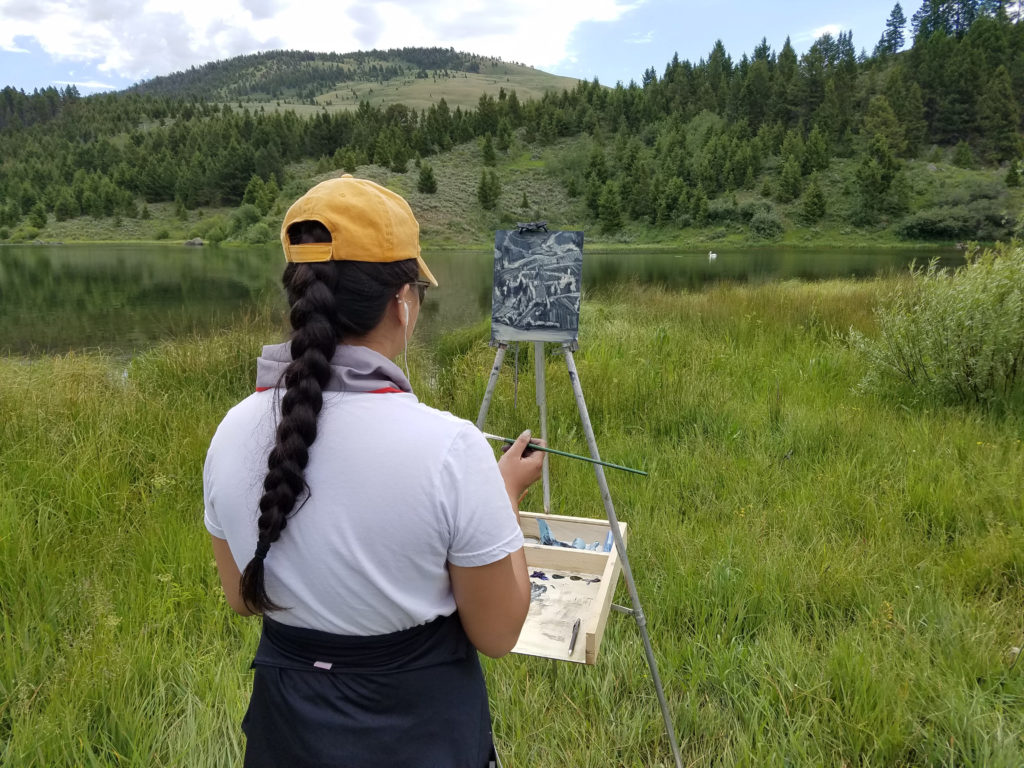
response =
{"points": [[537, 277]]}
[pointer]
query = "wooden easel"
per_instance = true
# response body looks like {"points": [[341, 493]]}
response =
{"points": [[566, 349]]}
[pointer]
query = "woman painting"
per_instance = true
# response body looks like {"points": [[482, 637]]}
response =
{"points": [[377, 537]]}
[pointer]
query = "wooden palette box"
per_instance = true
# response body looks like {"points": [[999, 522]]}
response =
{"points": [[568, 584]]}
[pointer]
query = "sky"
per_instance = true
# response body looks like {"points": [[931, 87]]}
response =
{"points": [[110, 44]]}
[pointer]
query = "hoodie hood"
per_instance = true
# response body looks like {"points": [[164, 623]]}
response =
{"points": [[353, 369]]}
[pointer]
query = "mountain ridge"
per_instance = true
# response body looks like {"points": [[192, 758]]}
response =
{"points": [[413, 76]]}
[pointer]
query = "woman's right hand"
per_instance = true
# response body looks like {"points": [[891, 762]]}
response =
{"points": [[520, 467]]}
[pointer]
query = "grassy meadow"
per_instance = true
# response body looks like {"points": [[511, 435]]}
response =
{"points": [[830, 577]]}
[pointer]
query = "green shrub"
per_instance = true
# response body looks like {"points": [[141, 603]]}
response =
{"points": [[955, 337], [978, 220], [722, 210], [244, 217], [24, 233], [163, 234], [204, 227], [4, 233], [751, 208], [259, 233], [766, 224], [969, 190]]}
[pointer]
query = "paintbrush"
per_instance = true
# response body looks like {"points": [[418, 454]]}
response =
{"points": [[535, 447]]}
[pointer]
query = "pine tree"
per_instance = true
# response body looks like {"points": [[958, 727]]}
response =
{"points": [[904, 95], [504, 134], [963, 157], [793, 147], [593, 193], [253, 190], [488, 151], [1012, 178], [933, 16], [813, 208], [831, 116], [880, 124], [348, 161], [958, 112], [892, 38], [489, 190], [66, 206], [816, 156], [874, 175], [37, 216], [789, 181], [610, 208], [699, 207], [426, 183], [999, 118], [399, 158]]}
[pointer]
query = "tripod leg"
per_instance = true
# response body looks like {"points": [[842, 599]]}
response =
{"points": [[620, 547], [485, 406], [542, 404]]}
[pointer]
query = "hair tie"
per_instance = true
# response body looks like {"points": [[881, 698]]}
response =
{"points": [[261, 550]]}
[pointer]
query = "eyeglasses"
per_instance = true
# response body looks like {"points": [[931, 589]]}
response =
{"points": [[421, 288]]}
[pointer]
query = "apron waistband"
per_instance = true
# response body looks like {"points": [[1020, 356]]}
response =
{"points": [[440, 641]]}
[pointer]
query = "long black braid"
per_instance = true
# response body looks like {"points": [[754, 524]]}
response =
{"points": [[329, 301]]}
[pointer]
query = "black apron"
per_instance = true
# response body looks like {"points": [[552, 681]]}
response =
{"points": [[414, 698]]}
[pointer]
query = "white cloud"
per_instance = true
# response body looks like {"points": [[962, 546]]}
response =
{"points": [[824, 29], [93, 85], [641, 39], [144, 38]]}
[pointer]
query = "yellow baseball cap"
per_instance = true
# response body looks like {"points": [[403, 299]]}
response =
{"points": [[367, 222]]}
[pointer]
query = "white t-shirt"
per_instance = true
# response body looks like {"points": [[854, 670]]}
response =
{"points": [[399, 490]]}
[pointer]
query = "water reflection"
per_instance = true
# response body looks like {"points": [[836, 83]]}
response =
{"points": [[690, 271], [122, 298]]}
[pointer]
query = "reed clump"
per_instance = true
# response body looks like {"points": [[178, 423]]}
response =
{"points": [[954, 337]]}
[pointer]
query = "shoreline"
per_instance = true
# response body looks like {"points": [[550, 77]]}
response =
{"points": [[598, 246]]}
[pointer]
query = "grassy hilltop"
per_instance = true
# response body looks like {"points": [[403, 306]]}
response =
{"points": [[308, 82]]}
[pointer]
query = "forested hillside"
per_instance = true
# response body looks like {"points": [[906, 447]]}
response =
{"points": [[922, 142], [306, 74]]}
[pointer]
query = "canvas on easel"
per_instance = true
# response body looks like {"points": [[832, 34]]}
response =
{"points": [[536, 297], [536, 294]]}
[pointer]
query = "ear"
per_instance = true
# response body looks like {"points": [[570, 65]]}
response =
{"points": [[403, 301]]}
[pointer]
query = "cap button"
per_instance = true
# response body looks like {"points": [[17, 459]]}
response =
{"points": [[346, 175]]}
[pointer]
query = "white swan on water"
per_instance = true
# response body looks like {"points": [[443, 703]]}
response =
{"points": [[712, 255]]}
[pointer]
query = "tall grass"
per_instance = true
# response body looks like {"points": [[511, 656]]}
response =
{"points": [[829, 577], [955, 337]]}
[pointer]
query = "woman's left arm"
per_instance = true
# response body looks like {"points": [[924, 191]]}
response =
{"points": [[230, 576]]}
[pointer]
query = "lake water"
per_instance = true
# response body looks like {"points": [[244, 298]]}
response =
{"points": [[123, 298]]}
